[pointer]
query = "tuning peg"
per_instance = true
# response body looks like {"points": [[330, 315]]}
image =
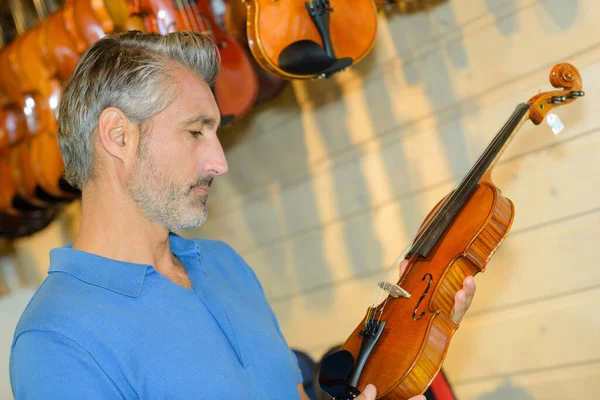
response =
{"points": [[558, 99], [576, 94]]}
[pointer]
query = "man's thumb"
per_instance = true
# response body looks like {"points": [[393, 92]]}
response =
{"points": [[368, 394]]}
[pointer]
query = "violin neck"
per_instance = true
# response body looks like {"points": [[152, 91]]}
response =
{"points": [[482, 168]]}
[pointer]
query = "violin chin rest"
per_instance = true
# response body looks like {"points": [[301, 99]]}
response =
{"points": [[336, 368], [306, 57]]}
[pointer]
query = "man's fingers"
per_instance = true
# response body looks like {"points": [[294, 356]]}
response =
{"points": [[368, 394], [463, 299], [469, 288]]}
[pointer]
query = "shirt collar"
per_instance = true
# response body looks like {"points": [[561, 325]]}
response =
{"points": [[118, 276]]}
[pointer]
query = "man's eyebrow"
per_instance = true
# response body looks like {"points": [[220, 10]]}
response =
{"points": [[205, 120]]}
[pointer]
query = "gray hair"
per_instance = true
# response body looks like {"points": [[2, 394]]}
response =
{"points": [[132, 72]]}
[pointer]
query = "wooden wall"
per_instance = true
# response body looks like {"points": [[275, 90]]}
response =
{"points": [[329, 183]]}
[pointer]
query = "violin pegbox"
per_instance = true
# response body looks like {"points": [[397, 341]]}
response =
{"points": [[566, 77]]}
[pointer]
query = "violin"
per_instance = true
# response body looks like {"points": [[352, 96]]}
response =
{"points": [[19, 125], [236, 86], [234, 21], [42, 93], [61, 51], [68, 11], [401, 343], [299, 39], [92, 20], [8, 190]]}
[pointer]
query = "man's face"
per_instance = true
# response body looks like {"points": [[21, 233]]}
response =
{"points": [[178, 157]]}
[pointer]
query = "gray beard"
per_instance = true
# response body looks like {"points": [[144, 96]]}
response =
{"points": [[165, 203]]}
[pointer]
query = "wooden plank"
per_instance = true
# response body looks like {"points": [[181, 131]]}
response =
{"points": [[560, 383], [514, 279], [561, 330], [396, 102]]}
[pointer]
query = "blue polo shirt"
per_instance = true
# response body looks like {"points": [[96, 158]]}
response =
{"points": [[98, 328]]}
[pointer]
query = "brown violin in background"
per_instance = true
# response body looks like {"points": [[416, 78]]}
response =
{"points": [[234, 22], [237, 86], [42, 92], [94, 19], [8, 190], [310, 39], [20, 125], [402, 342]]}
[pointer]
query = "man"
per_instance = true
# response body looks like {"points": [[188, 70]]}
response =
{"points": [[130, 310]]}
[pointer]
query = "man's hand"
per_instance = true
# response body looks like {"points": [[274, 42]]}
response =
{"points": [[370, 393], [462, 299]]}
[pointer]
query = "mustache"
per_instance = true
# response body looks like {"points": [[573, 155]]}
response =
{"points": [[203, 182]]}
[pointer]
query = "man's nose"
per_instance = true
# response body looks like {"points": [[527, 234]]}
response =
{"points": [[216, 163]]}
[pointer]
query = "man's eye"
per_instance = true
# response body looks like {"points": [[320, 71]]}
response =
{"points": [[196, 133]]}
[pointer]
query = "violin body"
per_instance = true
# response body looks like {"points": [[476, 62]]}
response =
{"points": [[236, 86], [18, 126], [286, 41], [422, 326], [42, 93], [401, 343], [92, 21], [7, 188], [269, 85], [63, 52], [70, 26]]}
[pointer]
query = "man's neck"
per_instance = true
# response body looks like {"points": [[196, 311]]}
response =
{"points": [[114, 228]]}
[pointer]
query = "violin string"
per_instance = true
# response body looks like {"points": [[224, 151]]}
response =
{"points": [[483, 161]]}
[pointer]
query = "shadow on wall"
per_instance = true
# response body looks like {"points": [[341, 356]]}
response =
{"points": [[563, 14], [502, 9], [507, 391]]}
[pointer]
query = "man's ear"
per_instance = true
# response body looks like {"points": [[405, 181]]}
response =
{"points": [[118, 136]]}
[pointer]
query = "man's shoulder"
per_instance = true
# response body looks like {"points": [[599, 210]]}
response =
{"points": [[59, 305]]}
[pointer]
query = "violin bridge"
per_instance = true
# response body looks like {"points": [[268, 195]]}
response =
{"points": [[393, 290]]}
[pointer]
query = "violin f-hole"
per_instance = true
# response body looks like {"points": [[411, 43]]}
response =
{"points": [[422, 297]]}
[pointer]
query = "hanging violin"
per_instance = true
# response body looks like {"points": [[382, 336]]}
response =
{"points": [[94, 19], [298, 39], [8, 191], [401, 343], [19, 125], [42, 92], [234, 21], [236, 86]]}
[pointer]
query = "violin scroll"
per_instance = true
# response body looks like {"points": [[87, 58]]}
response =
{"points": [[564, 76]]}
